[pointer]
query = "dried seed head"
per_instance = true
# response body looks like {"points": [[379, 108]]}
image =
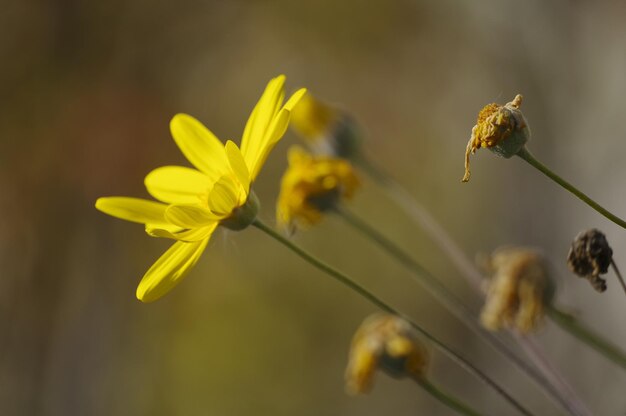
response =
{"points": [[518, 290], [590, 256], [387, 342], [328, 131], [501, 129]]}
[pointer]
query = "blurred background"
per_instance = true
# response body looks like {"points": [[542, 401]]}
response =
{"points": [[87, 90]]}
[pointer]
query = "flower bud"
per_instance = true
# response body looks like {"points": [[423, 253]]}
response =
{"points": [[501, 129], [518, 290], [386, 342], [590, 256], [328, 131], [311, 186]]}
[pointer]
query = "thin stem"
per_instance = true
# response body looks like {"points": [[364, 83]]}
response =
{"points": [[423, 218], [619, 275], [445, 398], [535, 353], [574, 327], [467, 269], [528, 157], [420, 215], [347, 281], [557, 392]]}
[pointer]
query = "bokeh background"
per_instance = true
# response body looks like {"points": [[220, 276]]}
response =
{"points": [[87, 90]]}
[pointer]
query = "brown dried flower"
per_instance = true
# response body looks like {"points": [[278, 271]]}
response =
{"points": [[500, 128], [387, 342], [590, 256], [518, 290]]}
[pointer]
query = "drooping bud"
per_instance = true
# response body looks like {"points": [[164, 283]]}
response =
{"points": [[327, 130], [590, 256], [387, 342], [501, 129]]}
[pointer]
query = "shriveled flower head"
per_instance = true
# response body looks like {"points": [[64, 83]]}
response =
{"points": [[386, 342], [518, 290], [499, 128], [311, 186], [590, 256], [327, 130], [194, 201]]}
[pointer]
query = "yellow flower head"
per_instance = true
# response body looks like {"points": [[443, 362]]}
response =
{"points": [[193, 202], [327, 131], [501, 129], [518, 291], [386, 342], [312, 185]]}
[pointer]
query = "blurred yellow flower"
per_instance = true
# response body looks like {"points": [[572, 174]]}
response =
{"points": [[312, 185], [195, 201], [518, 292], [386, 342]]}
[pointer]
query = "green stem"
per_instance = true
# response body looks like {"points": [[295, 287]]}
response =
{"points": [[454, 304], [525, 154], [445, 398], [595, 341], [619, 275], [347, 281]]}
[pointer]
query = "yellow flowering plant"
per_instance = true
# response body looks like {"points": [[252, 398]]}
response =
{"points": [[191, 203]]}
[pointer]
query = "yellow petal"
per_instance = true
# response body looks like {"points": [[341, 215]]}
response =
{"points": [[178, 184], [195, 234], [190, 216], [224, 197], [169, 269], [199, 145], [257, 154], [273, 135], [263, 112], [294, 99], [238, 165], [138, 210]]}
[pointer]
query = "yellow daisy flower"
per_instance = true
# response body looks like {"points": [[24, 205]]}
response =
{"points": [[193, 202]]}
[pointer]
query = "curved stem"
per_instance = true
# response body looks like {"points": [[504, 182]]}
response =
{"points": [[347, 281], [423, 218], [525, 154], [561, 392], [573, 326], [619, 275], [574, 405], [445, 398]]}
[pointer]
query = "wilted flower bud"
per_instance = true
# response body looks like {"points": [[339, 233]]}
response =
{"points": [[311, 186], [501, 129], [328, 131], [518, 290], [590, 256], [386, 342]]}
